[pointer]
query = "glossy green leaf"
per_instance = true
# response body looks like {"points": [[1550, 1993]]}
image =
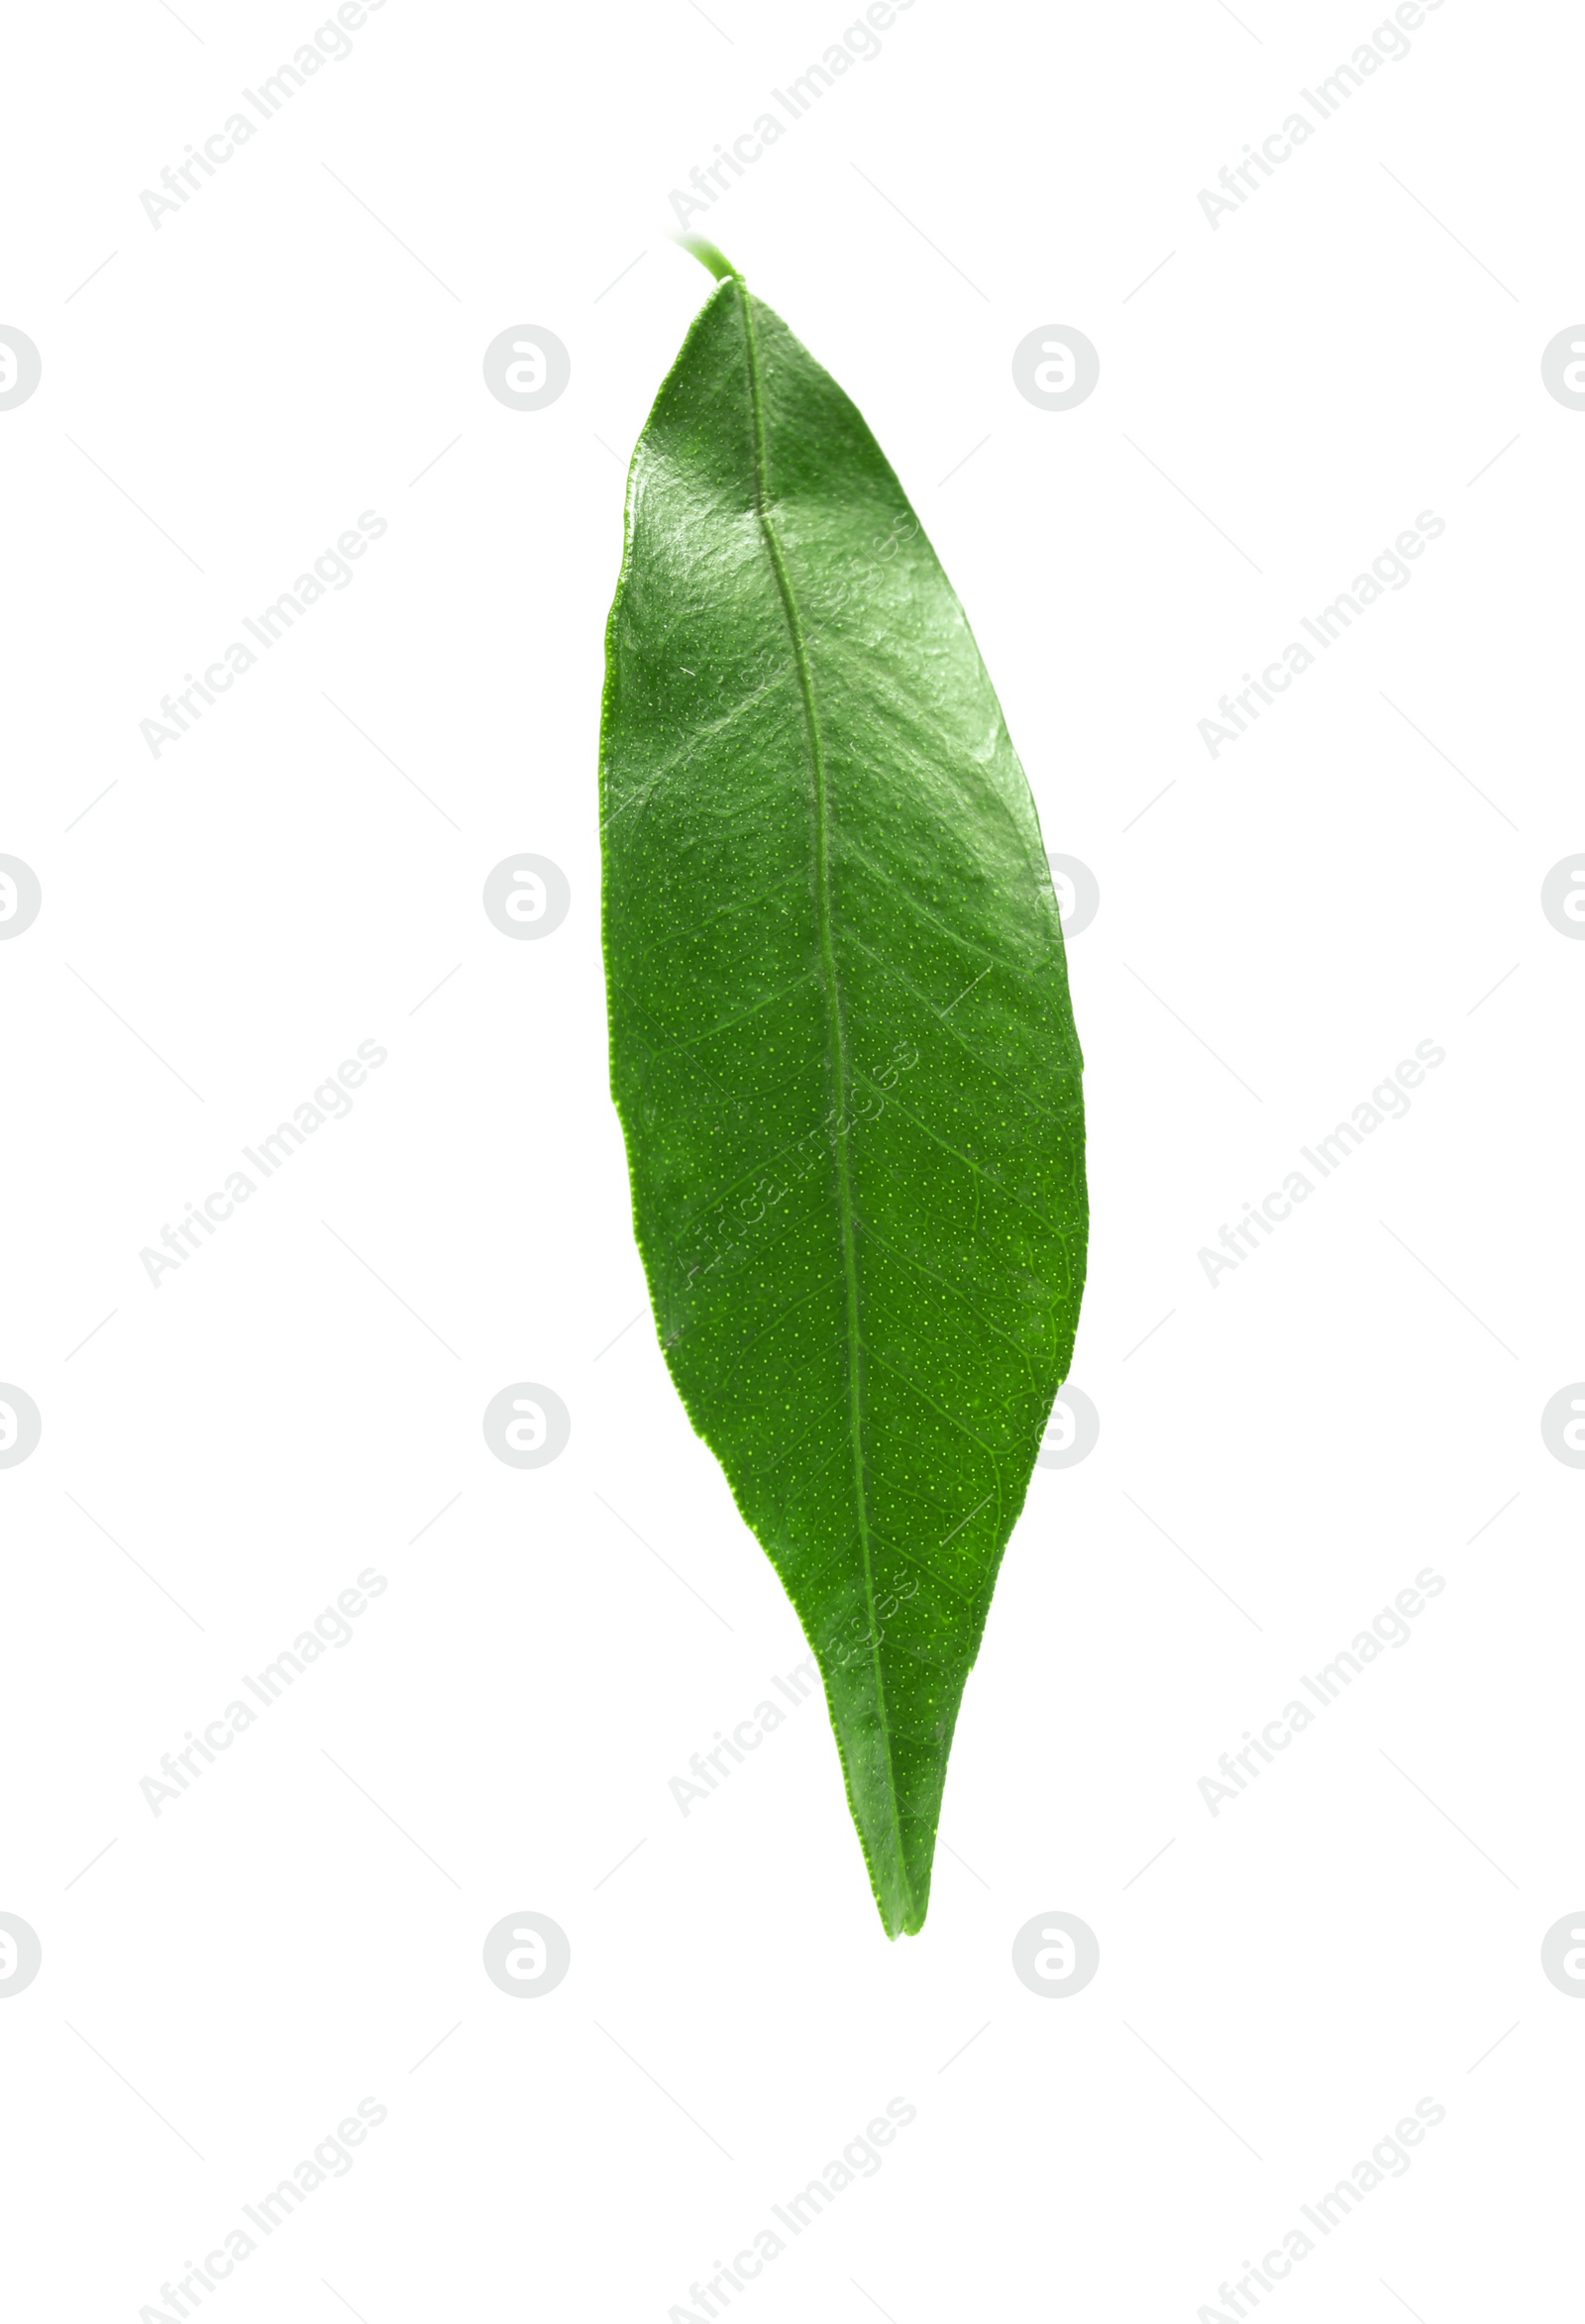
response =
{"points": [[841, 1044]]}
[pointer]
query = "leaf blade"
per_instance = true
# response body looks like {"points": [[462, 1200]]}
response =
{"points": [[834, 961]]}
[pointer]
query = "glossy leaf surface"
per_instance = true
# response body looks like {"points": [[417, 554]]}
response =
{"points": [[841, 1043]]}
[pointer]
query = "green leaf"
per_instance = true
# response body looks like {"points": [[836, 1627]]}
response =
{"points": [[842, 1045]]}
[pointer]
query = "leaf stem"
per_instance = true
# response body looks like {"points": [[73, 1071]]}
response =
{"points": [[707, 255]]}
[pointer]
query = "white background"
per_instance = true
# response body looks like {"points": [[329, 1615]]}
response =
{"points": [[304, 871]]}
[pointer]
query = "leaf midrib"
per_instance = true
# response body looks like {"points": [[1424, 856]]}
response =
{"points": [[835, 1029]]}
